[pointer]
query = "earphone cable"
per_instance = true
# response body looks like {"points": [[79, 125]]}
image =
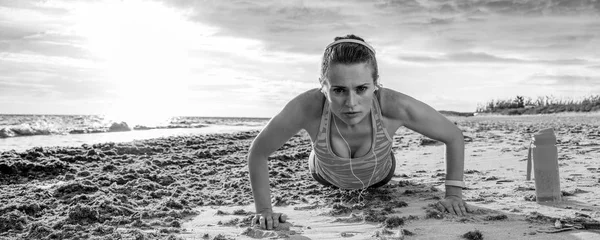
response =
{"points": [[350, 156]]}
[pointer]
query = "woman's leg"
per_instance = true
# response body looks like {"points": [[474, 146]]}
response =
{"points": [[311, 167], [389, 176]]}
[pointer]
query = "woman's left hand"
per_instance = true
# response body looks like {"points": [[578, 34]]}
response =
{"points": [[454, 205]]}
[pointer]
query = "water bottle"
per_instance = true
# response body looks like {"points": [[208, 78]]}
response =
{"points": [[545, 166]]}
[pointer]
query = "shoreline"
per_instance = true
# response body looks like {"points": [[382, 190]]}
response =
{"points": [[19, 125], [25, 143]]}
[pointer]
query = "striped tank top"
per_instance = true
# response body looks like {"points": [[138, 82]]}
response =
{"points": [[336, 170]]}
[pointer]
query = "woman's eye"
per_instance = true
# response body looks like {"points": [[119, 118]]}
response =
{"points": [[338, 90], [362, 89]]}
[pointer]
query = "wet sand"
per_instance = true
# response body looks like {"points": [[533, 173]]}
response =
{"points": [[197, 187]]}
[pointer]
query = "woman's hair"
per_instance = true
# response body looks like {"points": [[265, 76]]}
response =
{"points": [[349, 53]]}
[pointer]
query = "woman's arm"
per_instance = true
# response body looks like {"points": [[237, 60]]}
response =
{"points": [[278, 131], [422, 118], [425, 120]]}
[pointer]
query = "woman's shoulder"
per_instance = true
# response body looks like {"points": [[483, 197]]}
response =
{"points": [[394, 104], [309, 103], [312, 96]]}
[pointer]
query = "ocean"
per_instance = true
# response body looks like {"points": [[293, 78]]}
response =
{"points": [[22, 132]]}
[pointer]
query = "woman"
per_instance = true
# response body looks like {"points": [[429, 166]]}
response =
{"points": [[351, 120]]}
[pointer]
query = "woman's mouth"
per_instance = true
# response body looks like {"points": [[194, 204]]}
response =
{"points": [[351, 114]]}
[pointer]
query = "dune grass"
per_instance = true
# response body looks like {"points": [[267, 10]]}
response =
{"points": [[541, 105]]}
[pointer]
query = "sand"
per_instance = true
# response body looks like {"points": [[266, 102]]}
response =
{"points": [[197, 187]]}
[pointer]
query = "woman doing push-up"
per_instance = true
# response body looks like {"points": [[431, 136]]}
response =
{"points": [[351, 120]]}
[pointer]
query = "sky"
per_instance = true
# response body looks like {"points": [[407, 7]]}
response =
{"points": [[246, 58]]}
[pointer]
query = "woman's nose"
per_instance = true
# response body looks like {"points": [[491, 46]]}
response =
{"points": [[351, 100]]}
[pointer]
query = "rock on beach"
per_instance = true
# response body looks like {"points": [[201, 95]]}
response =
{"points": [[119, 127]]}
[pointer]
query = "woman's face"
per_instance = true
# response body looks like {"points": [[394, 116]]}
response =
{"points": [[350, 89]]}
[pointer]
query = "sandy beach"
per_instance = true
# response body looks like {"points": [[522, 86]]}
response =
{"points": [[197, 187]]}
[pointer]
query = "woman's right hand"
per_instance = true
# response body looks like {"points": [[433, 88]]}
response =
{"points": [[268, 220]]}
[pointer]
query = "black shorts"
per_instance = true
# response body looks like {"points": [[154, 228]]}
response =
{"points": [[320, 179]]}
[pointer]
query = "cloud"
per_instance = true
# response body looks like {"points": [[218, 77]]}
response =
{"points": [[68, 86], [17, 88], [219, 87], [276, 46], [81, 89], [474, 57], [303, 27], [38, 76], [307, 26], [47, 45], [38, 28], [275, 23], [566, 80], [30, 90], [519, 7], [47, 61]]}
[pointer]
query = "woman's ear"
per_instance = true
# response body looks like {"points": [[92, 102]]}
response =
{"points": [[322, 85]]}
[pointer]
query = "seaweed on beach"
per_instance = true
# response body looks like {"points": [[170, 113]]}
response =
{"points": [[473, 235], [13, 170], [393, 222], [496, 217], [75, 188], [96, 188], [539, 218], [83, 215], [13, 220], [433, 213], [150, 184], [371, 215], [31, 209], [339, 209], [241, 211], [38, 230]]}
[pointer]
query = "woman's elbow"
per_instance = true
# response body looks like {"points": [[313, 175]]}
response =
{"points": [[256, 153], [454, 137], [458, 137]]}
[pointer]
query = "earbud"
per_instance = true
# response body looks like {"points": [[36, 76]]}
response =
{"points": [[378, 85]]}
